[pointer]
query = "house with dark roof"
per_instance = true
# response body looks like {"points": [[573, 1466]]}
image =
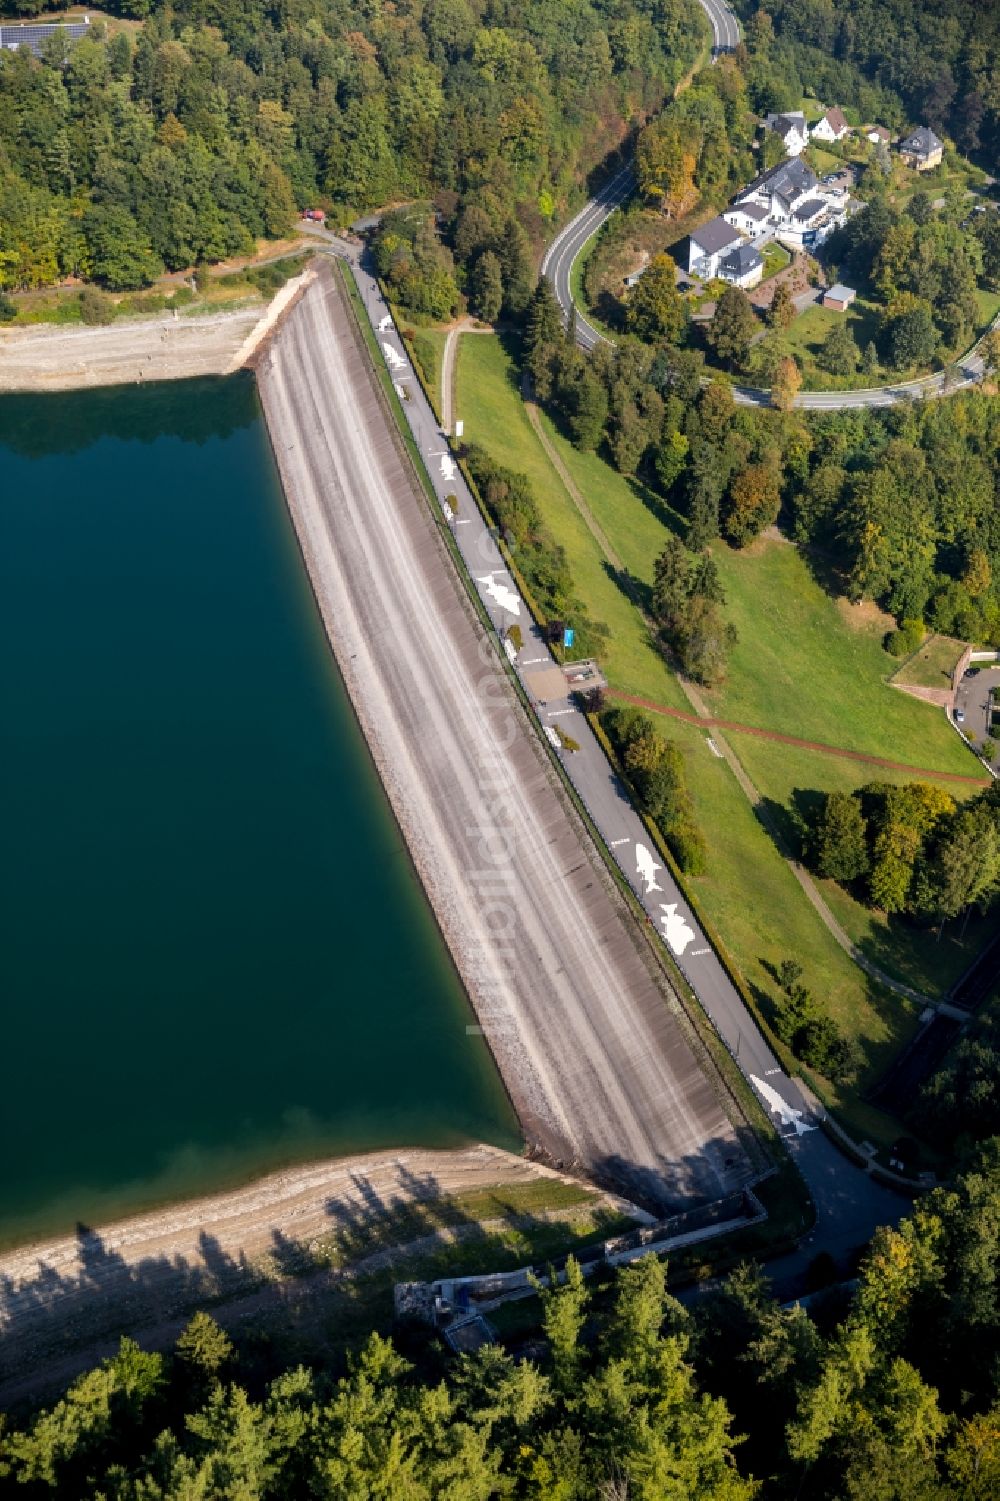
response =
{"points": [[921, 149], [750, 217], [742, 267], [798, 209], [29, 36], [791, 129], [709, 245], [780, 188], [832, 127]]}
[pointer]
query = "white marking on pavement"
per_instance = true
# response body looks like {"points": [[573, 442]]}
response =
{"points": [[504, 597], [532, 661], [510, 649], [646, 868], [676, 930], [697, 953], [557, 713], [552, 737], [394, 360], [789, 1115], [616, 842], [385, 323]]}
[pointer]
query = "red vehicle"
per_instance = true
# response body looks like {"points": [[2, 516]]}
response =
{"points": [[316, 215]]}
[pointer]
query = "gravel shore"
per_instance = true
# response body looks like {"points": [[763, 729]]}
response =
{"points": [[47, 358]]}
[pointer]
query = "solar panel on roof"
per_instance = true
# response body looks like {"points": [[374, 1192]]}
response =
{"points": [[32, 35]]}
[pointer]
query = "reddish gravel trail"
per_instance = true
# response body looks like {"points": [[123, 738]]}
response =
{"points": [[709, 722]]}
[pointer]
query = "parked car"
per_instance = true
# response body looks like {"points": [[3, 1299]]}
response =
{"points": [[959, 716]]}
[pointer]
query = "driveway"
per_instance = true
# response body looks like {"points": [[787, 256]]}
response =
{"points": [[978, 688]]}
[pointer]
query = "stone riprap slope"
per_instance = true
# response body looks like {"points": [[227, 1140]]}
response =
{"points": [[586, 1034]]}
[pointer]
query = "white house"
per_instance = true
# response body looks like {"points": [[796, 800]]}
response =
{"points": [[791, 129], [742, 267], [798, 210], [877, 135], [832, 127], [750, 218], [709, 246]]}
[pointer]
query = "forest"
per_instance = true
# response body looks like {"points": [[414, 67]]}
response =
{"points": [[181, 141], [899, 61], [882, 1391], [898, 505]]}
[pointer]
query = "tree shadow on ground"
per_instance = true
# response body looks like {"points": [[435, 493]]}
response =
{"points": [[827, 571], [659, 508], [635, 590], [58, 1322]]}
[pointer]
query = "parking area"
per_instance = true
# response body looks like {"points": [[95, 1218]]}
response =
{"points": [[977, 699]]}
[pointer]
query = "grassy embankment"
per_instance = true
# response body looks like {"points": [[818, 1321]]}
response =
{"points": [[802, 667]]}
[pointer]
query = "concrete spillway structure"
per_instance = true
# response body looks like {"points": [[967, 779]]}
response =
{"points": [[586, 1034]]}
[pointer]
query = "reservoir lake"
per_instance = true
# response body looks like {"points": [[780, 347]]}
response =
{"points": [[216, 958]]}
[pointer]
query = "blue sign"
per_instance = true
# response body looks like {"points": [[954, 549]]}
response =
{"points": [[569, 636]]}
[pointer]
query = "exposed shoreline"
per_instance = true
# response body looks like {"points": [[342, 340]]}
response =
{"points": [[64, 1302], [602, 1079], [130, 352]]}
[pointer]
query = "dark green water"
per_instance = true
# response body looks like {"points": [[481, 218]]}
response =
{"points": [[215, 956]]}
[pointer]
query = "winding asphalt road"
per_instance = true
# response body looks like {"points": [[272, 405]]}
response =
{"points": [[561, 256], [849, 1203], [559, 259]]}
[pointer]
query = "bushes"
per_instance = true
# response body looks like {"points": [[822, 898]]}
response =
{"points": [[813, 1038], [655, 768], [96, 307], [540, 559], [904, 641]]}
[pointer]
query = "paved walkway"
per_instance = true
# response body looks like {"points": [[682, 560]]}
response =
{"points": [[703, 718], [849, 1203]]}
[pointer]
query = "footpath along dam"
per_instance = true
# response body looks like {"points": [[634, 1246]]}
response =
{"points": [[587, 1035]]}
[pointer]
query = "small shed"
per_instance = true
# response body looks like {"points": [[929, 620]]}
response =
{"points": [[839, 298]]}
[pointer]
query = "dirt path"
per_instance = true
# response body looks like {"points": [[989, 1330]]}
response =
{"points": [[708, 721], [65, 1302], [572, 489], [702, 717], [448, 359], [752, 794]]}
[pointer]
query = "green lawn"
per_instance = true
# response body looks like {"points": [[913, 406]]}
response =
{"points": [[494, 416], [933, 665], [791, 782], [989, 307], [800, 667], [822, 161], [807, 335], [916, 956], [776, 258]]}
